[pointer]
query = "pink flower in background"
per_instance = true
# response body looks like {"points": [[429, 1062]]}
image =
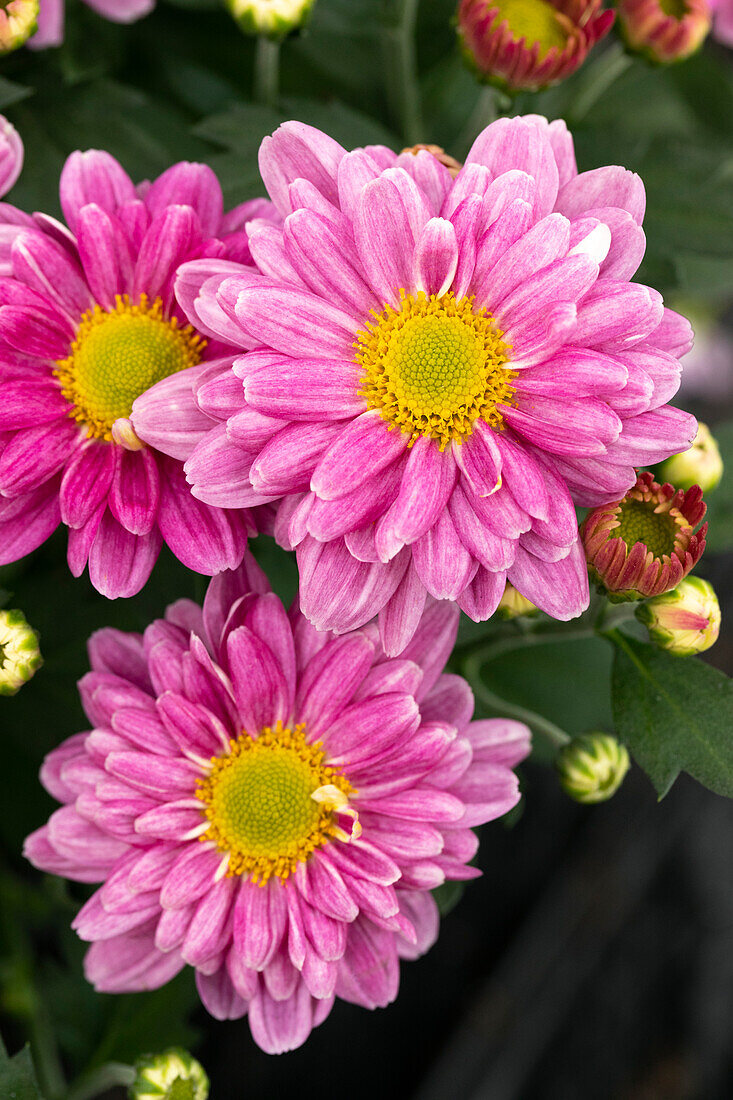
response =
{"points": [[723, 21], [270, 805], [88, 321], [11, 156], [51, 17], [437, 370]]}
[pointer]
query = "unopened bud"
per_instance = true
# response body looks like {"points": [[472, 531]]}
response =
{"points": [[172, 1075], [661, 31], [685, 620], [20, 656], [18, 21], [592, 767], [271, 18], [700, 465], [11, 156], [513, 604]]}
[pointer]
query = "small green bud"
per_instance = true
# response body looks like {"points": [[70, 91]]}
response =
{"points": [[700, 465], [592, 767], [18, 21], [271, 18], [513, 604], [172, 1075], [20, 656], [685, 620]]}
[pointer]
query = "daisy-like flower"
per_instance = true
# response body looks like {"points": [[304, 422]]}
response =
{"points": [[437, 368], [664, 32], [645, 544], [88, 322], [528, 44], [270, 805], [51, 17]]}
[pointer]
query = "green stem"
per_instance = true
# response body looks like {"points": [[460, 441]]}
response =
{"points": [[401, 75], [607, 69], [536, 722], [101, 1080], [267, 71], [45, 1052], [494, 650]]}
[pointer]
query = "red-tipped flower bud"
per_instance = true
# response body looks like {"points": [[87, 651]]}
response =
{"points": [[645, 544], [528, 44], [664, 30]]}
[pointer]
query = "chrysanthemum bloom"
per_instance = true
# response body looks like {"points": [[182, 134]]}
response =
{"points": [[11, 155], [18, 21], [270, 805], [646, 543], [271, 18], [20, 657], [51, 18], [700, 465], [528, 44], [664, 30], [172, 1075], [592, 767], [685, 620], [88, 322], [439, 368]]}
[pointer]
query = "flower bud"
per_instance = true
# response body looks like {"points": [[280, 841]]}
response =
{"points": [[172, 1075], [528, 44], [700, 465], [271, 18], [513, 604], [645, 544], [685, 620], [663, 31], [592, 767], [20, 656], [18, 21]]}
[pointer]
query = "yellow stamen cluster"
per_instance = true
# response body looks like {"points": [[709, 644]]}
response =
{"points": [[271, 801], [118, 355], [435, 366]]}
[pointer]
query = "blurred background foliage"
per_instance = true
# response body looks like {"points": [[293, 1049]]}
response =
{"points": [[178, 85]]}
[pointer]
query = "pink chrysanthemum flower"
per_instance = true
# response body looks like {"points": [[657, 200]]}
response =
{"points": [[437, 369], [88, 322], [51, 17], [270, 805]]}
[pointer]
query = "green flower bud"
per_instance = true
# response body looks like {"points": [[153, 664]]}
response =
{"points": [[20, 656], [700, 465], [513, 604], [172, 1075], [271, 18], [592, 767], [685, 620], [18, 21]]}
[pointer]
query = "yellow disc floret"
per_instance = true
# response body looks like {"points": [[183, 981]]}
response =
{"points": [[118, 355], [534, 21], [272, 800], [435, 366]]}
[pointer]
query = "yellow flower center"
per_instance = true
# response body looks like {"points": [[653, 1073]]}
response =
{"points": [[118, 355], [272, 801], [640, 522], [535, 21], [435, 366]]}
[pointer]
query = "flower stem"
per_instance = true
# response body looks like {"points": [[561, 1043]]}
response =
{"points": [[401, 75], [536, 722], [267, 71], [607, 69], [101, 1080]]}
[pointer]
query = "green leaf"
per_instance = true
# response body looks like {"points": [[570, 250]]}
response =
{"points": [[720, 501], [674, 714], [447, 896], [17, 1076]]}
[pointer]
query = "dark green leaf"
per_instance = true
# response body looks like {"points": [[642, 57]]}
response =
{"points": [[17, 1076], [447, 896], [674, 714]]}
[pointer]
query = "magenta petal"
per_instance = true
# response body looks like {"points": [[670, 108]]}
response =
{"points": [[105, 255], [308, 239], [330, 679], [559, 588], [262, 693], [400, 616], [135, 490], [436, 257], [294, 322], [442, 562], [93, 177], [338, 592], [361, 450], [86, 481], [173, 235], [166, 415], [31, 457], [193, 185], [297, 151], [28, 521], [205, 539], [391, 217], [119, 562], [280, 1026]]}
